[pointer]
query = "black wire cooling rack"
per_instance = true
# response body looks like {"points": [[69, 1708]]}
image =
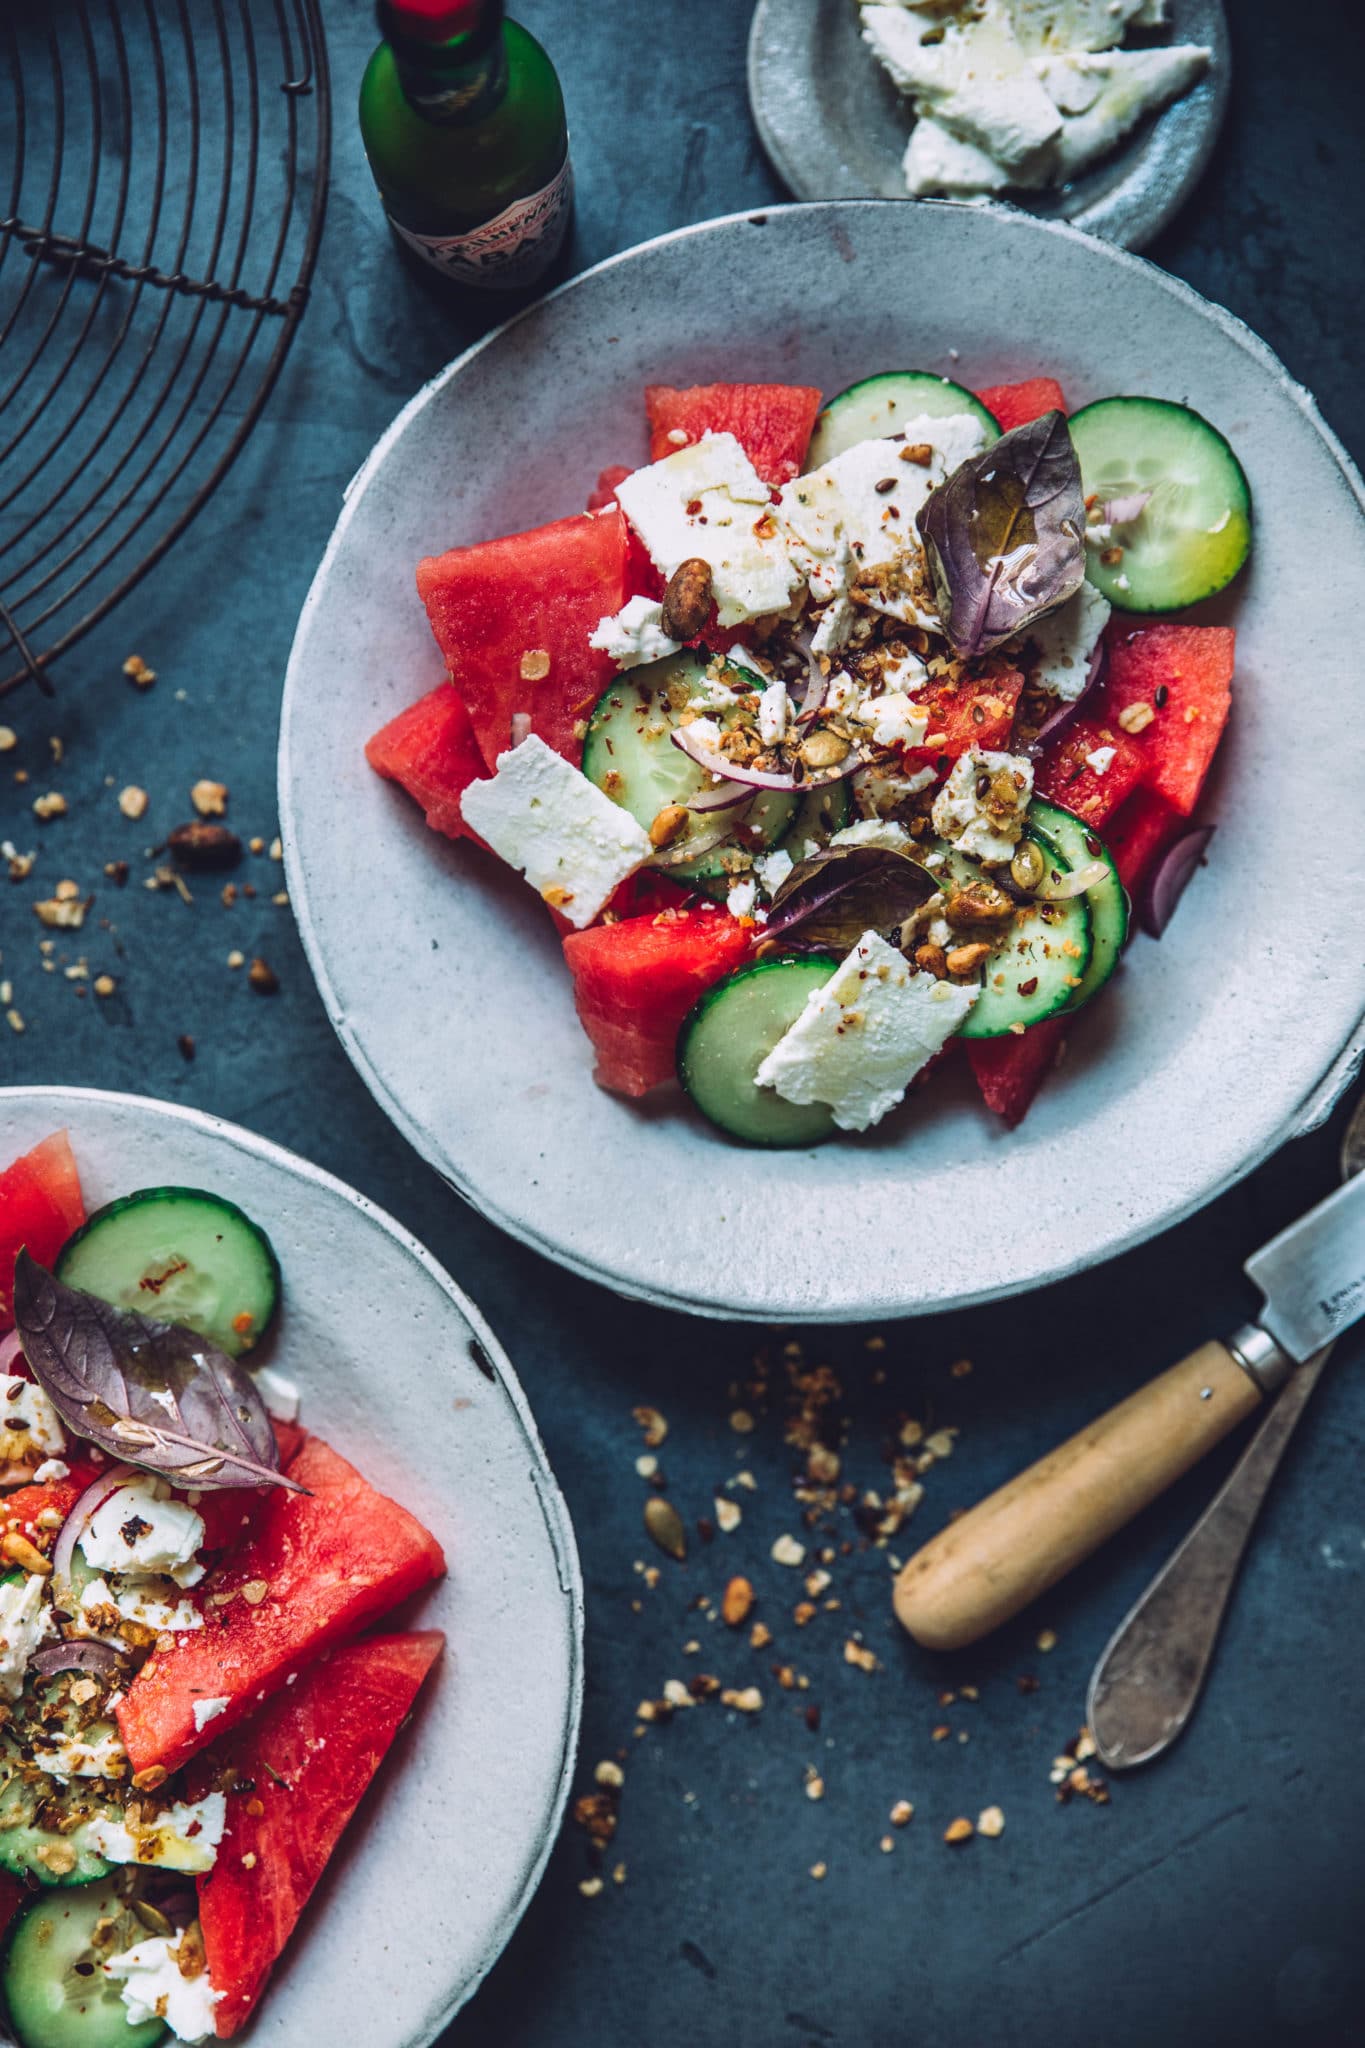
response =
{"points": [[157, 240]]}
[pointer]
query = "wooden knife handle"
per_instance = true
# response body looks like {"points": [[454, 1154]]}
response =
{"points": [[992, 1561]]}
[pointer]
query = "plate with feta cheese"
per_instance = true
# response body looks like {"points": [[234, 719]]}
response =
{"points": [[773, 827], [280, 1553], [1101, 112]]}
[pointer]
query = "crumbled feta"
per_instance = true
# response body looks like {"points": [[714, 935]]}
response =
{"points": [[1104, 97], [634, 634], [876, 791], [882, 832], [742, 898], [51, 1469], [67, 1756], [774, 709], [1100, 758], [983, 825], [208, 1710], [896, 720], [154, 1989], [144, 1598], [709, 501], [773, 869], [1064, 641], [864, 1035], [570, 841], [278, 1391], [142, 1527], [184, 1836], [835, 627], [25, 1622], [24, 1402], [906, 673]]}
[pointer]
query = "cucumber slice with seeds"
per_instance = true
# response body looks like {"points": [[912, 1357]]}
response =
{"points": [[1107, 900], [182, 1255], [1194, 533], [728, 1035], [55, 1988], [877, 406], [1037, 961], [43, 1824]]}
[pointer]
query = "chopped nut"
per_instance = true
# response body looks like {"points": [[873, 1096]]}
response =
{"points": [[990, 1822], [958, 1831], [105, 985], [535, 665], [669, 824], [901, 1813], [960, 1368], [788, 1551], [254, 1591], [151, 1778], [209, 798], [9, 739], [886, 1845], [1136, 717], [931, 959], [736, 1603], [652, 1423], [610, 1774], [61, 913], [52, 805], [859, 1654], [966, 959], [728, 1515], [133, 801], [17, 1549], [742, 1422], [760, 1635], [920, 452], [137, 671], [748, 1700], [665, 1525], [14, 1019], [824, 749], [263, 978], [819, 1870], [591, 1887], [202, 846], [1046, 1639], [236, 959], [815, 1787], [687, 599]]}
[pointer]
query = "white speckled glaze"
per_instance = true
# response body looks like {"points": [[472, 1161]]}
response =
{"points": [[442, 974], [442, 1857]]}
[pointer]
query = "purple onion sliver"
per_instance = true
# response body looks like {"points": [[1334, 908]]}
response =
{"points": [[716, 764], [1167, 882], [101, 1657], [725, 798], [1123, 511]]}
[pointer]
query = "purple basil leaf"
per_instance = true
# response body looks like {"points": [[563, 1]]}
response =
{"points": [[1004, 535], [835, 896], [1167, 882], [153, 1393]]}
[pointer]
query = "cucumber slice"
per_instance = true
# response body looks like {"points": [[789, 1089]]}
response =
{"points": [[819, 814], [728, 1035], [1194, 533], [182, 1255], [1107, 900], [1032, 972], [629, 753], [881, 405], [56, 1991], [37, 1839]]}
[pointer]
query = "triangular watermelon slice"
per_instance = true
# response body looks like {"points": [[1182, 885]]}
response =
{"points": [[635, 981], [40, 1206], [293, 1778], [771, 422], [977, 711], [512, 618], [1140, 834], [1183, 675], [430, 751], [1009, 1071], [1065, 774], [315, 1567], [1014, 405]]}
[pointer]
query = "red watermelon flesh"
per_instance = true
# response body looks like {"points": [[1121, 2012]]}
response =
{"points": [[1139, 835], [40, 1206], [1064, 775], [772, 423], [331, 1560], [603, 492], [20, 1510], [1185, 674], [1009, 1071], [431, 752], [1014, 405], [301, 1768], [502, 604], [976, 712], [12, 1896], [634, 982]]}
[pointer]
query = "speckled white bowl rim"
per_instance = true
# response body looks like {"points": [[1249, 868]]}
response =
{"points": [[401, 884], [445, 1853]]}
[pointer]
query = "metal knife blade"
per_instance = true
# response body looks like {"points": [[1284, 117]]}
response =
{"points": [[1313, 1274]]}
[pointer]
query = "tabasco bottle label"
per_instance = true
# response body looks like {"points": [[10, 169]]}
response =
{"points": [[511, 249]]}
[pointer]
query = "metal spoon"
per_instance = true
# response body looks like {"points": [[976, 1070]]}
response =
{"points": [[1151, 1674]]}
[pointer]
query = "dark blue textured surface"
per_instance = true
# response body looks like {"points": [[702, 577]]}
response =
{"points": [[1217, 1898]]}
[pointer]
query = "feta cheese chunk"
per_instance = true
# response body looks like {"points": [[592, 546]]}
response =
{"points": [[981, 806], [882, 832], [709, 501], [1104, 97], [773, 869], [279, 1393], [970, 75], [22, 1401], [569, 840], [1063, 643], [876, 791], [774, 709], [1101, 759], [25, 1623], [154, 1989], [137, 1597], [862, 1038], [1041, 26], [741, 899], [66, 1756], [896, 720], [635, 634], [208, 1710], [50, 1469], [184, 1836], [142, 1527], [939, 164]]}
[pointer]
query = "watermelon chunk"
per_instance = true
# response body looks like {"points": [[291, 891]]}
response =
{"points": [[528, 596], [1185, 674], [976, 712], [301, 1768], [431, 752], [634, 982], [1014, 405], [40, 1206], [603, 492], [1064, 775], [772, 423], [1009, 1071], [20, 1510], [327, 1562], [1139, 835]]}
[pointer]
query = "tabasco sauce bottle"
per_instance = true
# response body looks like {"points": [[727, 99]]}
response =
{"points": [[463, 123]]}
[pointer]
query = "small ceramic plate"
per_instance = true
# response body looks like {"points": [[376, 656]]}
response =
{"points": [[399, 1371], [440, 968], [834, 126]]}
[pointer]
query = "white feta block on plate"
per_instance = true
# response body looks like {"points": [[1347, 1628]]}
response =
{"points": [[142, 1527], [154, 1989], [972, 76], [1063, 643], [709, 502], [863, 1036], [635, 634], [1104, 97], [939, 164], [570, 841], [1041, 26], [969, 816]]}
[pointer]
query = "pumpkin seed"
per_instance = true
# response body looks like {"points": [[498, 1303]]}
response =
{"points": [[665, 1525]]}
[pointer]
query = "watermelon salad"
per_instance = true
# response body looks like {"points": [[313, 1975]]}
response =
{"points": [[194, 1697], [839, 733]]}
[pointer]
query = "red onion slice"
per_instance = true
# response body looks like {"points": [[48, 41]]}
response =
{"points": [[11, 1350], [521, 727], [760, 778], [82, 1656], [1166, 883], [1057, 721], [73, 1528], [723, 799], [1123, 511]]}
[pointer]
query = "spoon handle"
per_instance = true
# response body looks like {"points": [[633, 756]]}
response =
{"points": [[1150, 1676]]}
